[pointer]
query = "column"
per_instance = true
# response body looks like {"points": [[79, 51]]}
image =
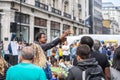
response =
{"points": [[61, 28], [5, 23], [46, 2], [32, 2], [71, 28], [48, 31], [70, 6], [31, 32], [60, 4], [77, 31], [76, 9]]}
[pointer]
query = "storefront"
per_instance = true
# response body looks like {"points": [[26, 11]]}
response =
{"points": [[40, 26], [16, 27]]}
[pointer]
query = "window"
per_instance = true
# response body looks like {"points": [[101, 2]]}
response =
{"points": [[55, 25], [74, 29], [54, 3], [66, 6], [55, 30], [24, 18], [40, 22], [80, 31], [65, 26], [21, 0]]}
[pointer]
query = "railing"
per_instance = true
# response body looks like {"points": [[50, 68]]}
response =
{"points": [[67, 15], [81, 21], [56, 11], [21, 0], [41, 5]]}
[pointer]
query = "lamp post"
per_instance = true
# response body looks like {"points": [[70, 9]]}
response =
{"points": [[1, 14], [20, 35], [20, 15], [0, 26]]}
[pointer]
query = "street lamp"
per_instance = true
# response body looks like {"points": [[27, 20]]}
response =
{"points": [[1, 14], [20, 35], [20, 14]]}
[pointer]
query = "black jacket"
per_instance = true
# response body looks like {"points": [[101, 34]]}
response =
{"points": [[101, 58], [50, 45], [75, 73]]}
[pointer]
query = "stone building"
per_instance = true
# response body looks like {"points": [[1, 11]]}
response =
{"points": [[49, 16]]}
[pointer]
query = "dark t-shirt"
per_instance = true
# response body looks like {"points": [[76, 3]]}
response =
{"points": [[101, 58]]}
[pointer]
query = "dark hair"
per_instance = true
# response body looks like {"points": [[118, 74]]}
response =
{"points": [[87, 40], [61, 76], [83, 51], [38, 35], [116, 59], [96, 45], [27, 53], [13, 36]]}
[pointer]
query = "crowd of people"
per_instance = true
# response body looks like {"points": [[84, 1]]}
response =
{"points": [[85, 60]]}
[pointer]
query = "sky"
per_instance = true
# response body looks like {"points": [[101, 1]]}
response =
{"points": [[115, 2]]}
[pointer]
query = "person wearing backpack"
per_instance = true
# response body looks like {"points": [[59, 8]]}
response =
{"points": [[87, 68], [101, 58]]}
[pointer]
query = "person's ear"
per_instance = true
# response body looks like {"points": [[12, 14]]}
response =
{"points": [[78, 58]]}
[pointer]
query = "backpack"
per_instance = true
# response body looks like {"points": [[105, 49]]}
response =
{"points": [[93, 73], [48, 71]]}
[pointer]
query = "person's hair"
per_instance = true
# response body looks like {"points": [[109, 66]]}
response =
{"points": [[96, 45], [40, 58], [3, 63], [55, 74], [61, 77], [83, 51], [87, 40], [38, 35], [116, 59], [53, 51], [27, 53]]}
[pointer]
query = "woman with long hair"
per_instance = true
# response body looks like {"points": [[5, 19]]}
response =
{"points": [[115, 69], [3, 68]]}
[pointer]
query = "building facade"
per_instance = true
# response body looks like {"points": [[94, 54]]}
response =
{"points": [[0, 26], [111, 13], [95, 12], [49, 16]]}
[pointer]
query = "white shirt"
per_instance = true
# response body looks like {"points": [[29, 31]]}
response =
{"points": [[66, 51], [14, 47]]}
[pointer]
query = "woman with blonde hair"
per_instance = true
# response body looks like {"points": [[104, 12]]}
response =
{"points": [[3, 68], [40, 58]]}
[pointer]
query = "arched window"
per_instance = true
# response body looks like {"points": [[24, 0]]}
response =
{"points": [[66, 5], [54, 3]]}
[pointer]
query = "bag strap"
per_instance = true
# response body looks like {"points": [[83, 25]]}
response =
{"points": [[83, 75], [83, 72]]}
